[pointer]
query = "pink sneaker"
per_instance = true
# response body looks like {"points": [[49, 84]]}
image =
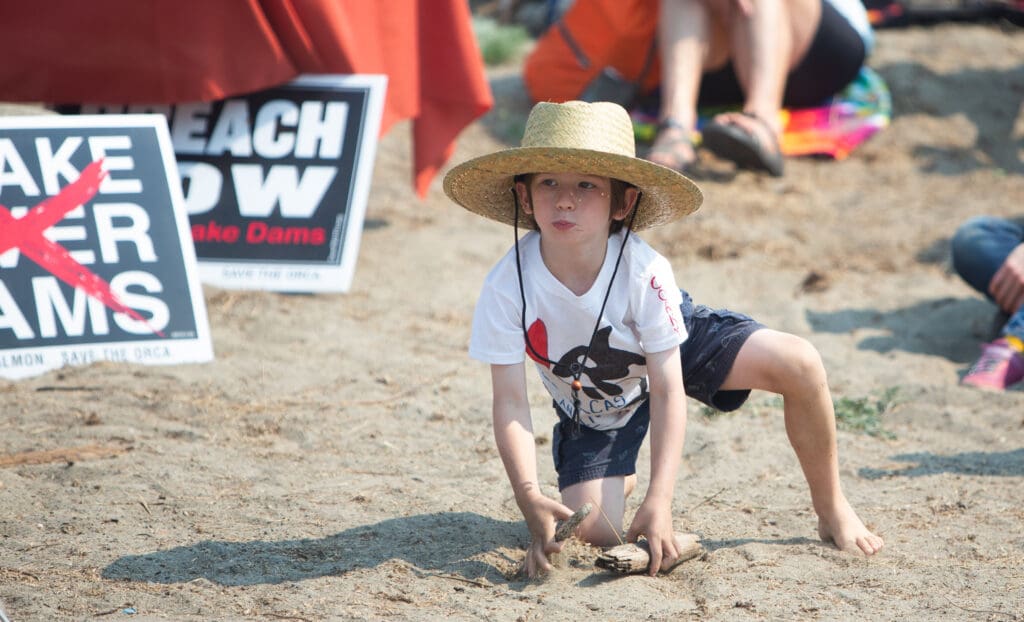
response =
{"points": [[1000, 366]]}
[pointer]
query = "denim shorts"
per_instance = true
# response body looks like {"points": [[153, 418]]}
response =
{"points": [[715, 338]]}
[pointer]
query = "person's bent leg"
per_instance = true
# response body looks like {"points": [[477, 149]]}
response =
{"points": [[767, 41], [790, 366], [599, 467], [691, 38], [603, 527]]}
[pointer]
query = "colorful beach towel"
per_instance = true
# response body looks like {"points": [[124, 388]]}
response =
{"points": [[837, 127], [833, 129]]}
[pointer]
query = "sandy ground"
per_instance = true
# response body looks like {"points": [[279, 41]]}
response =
{"points": [[335, 462]]}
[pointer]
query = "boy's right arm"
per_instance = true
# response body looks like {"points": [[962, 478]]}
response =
{"points": [[513, 434]]}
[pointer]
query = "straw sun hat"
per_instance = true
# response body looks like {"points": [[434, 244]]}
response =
{"points": [[591, 138]]}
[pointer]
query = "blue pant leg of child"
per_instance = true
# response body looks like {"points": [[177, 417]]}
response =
{"points": [[981, 245]]}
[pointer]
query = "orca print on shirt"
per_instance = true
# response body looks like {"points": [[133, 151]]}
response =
{"points": [[602, 367]]}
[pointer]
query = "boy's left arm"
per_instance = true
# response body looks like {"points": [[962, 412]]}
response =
{"points": [[668, 431]]}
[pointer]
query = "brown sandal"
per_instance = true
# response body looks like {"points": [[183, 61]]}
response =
{"points": [[673, 147], [736, 143]]}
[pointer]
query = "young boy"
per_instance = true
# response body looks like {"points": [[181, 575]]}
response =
{"points": [[615, 341]]}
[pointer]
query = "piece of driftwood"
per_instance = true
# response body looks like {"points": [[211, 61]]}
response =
{"points": [[570, 524], [635, 558], [66, 454]]}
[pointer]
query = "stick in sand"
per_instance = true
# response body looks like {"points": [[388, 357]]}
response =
{"points": [[66, 454], [634, 558], [567, 528]]}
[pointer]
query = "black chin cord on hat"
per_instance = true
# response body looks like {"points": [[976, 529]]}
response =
{"points": [[576, 367]]}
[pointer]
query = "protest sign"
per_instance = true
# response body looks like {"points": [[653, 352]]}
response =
{"points": [[95, 257], [276, 182]]}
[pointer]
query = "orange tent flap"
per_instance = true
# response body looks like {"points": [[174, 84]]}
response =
{"points": [[130, 52]]}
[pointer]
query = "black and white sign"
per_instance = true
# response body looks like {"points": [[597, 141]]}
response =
{"points": [[276, 182], [95, 257]]}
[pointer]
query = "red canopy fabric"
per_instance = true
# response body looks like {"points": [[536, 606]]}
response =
{"points": [[126, 51]]}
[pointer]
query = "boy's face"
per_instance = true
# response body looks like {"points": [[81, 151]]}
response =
{"points": [[572, 203]]}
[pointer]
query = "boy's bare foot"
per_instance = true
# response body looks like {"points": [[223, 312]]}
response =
{"points": [[844, 529]]}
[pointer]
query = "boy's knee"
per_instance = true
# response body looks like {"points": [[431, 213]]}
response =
{"points": [[598, 533], [801, 365]]}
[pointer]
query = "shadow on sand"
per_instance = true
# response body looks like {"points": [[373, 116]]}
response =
{"points": [[442, 541], [1003, 464], [918, 90], [940, 327]]}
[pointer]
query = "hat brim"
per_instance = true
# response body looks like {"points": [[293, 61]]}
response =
{"points": [[483, 185]]}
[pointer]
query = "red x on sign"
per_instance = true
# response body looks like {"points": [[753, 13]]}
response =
{"points": [[26, 234]]}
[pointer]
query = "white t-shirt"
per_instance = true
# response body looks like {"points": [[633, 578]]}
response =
{"points": [[642, 315]]}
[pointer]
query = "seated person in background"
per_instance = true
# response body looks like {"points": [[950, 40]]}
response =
{"points": [[988, 253], [757, 54]]}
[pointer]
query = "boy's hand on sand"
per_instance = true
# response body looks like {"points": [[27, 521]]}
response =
{"points": [[541, 513], [654, 521]]}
